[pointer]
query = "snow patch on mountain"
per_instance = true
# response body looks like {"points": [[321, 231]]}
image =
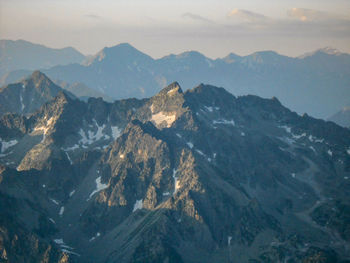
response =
{"points": [[311, 138], [210, 109], [68, 157], [21, 99], [161, 117], [115, 132], [297, 137], [200, 152], [99, 187], [190, 144], [138, 205], [72, 148], [293, 137], [93, 136], [59, 241], [96, 236], [5, 145], [225, 122], [312, 148], [64, 247], [54, 201], [61, 211]]}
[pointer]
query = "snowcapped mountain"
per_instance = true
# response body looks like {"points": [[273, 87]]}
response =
{"points": [[315, 83], [194, 176]]}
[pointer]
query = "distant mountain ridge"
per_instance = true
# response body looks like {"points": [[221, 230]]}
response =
{"points": [[316, 83], [29, 95], [342, 117], [21, 54]]}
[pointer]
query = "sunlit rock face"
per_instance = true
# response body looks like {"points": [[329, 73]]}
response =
{"points": [[195, 176]]}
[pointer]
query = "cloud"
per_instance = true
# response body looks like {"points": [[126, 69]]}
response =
{"points": [[299, 22], [304, 15], [93, 16], [197, 18], [310, 15], [247, 16]]}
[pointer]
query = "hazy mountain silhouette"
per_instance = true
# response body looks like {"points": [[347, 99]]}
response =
{"points": [[316, 83]]}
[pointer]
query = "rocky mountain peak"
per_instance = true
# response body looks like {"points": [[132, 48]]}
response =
{"points": [[173, 88], [199, 176], [167, 106], [37, 77], [121, 53], [43, 85], [191, 55], [29, 95]]}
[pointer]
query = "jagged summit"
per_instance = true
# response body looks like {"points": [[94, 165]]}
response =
{"points": [[40, 80], [194, 176], [172, 88]]}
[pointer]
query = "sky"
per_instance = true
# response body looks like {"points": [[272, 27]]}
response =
{"points": [[161, 27]]}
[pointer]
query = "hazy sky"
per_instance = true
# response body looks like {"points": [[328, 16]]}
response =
{"points": [[160, 27]]}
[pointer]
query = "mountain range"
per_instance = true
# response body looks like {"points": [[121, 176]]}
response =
{"points": [[183, 176], [316, 83], [24, 55]]}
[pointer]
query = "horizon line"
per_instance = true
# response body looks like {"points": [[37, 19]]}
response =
{"points": [[305, 53]]}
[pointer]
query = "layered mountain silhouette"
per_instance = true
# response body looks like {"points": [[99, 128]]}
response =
{"points": [[28, 95], [24, 55], [316, 83], [194, 176]]}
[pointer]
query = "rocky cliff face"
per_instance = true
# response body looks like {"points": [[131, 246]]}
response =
{"points": [[195, 176]]}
